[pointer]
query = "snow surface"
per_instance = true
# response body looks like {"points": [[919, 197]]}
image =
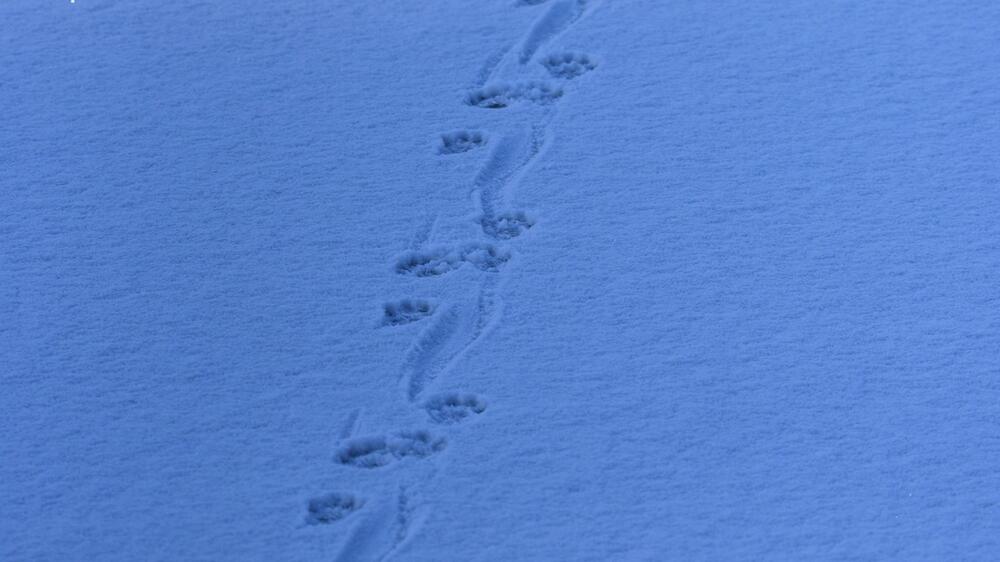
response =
{"points": [[504, 280]]}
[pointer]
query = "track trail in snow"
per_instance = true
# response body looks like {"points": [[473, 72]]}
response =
{"points": [[521, 75]]}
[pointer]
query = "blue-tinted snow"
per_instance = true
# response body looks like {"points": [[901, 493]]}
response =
{"points": [[506, 280]]}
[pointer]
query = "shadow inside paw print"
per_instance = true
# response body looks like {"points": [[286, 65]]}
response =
{"points": [[333, 507], [568, 65], [381, 450], [454, 407], [507, 225], [497, 96], [458, 142]]}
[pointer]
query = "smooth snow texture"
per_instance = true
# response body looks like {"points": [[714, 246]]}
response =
{"points": [[513, 280]]}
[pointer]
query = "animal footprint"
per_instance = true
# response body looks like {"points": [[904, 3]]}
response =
{"points": [[485, 257], [454, 407], [461, 141], [381, 450], [568, 65], [507, 225], [441, 260], [406, 311], [332, 507], [429, 263], [496, 96]]}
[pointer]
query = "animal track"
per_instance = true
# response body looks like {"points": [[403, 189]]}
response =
{"points": [[510, 155], [406, 311], [441, 260], [454, 329], [449, 335], [430, 262], [381, 450], [496, 96], [486, 257], [461, 141], [454, 407], [429, 351], [568, 65], [560, 16], [507, 225], [332, 507], [384, 530]]}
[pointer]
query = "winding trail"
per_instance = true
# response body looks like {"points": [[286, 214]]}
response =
{"points": [[454, 329]]}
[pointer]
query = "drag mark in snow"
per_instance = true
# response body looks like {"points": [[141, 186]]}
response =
{"points": [[422, 360], [511, 153], [407, 519], [350, 424], [423, 234], [367, 536], [558, 18], [489, 68], [452, 333], [385, 531], [507, 162], [489, 307]]}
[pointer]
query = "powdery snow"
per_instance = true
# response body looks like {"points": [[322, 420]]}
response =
{"points": [[512, 280]]}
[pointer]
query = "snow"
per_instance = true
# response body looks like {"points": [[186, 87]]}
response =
{"points": [[512, 280]]}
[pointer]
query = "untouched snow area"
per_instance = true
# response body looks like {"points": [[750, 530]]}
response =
{"points": [[499, 280]]}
